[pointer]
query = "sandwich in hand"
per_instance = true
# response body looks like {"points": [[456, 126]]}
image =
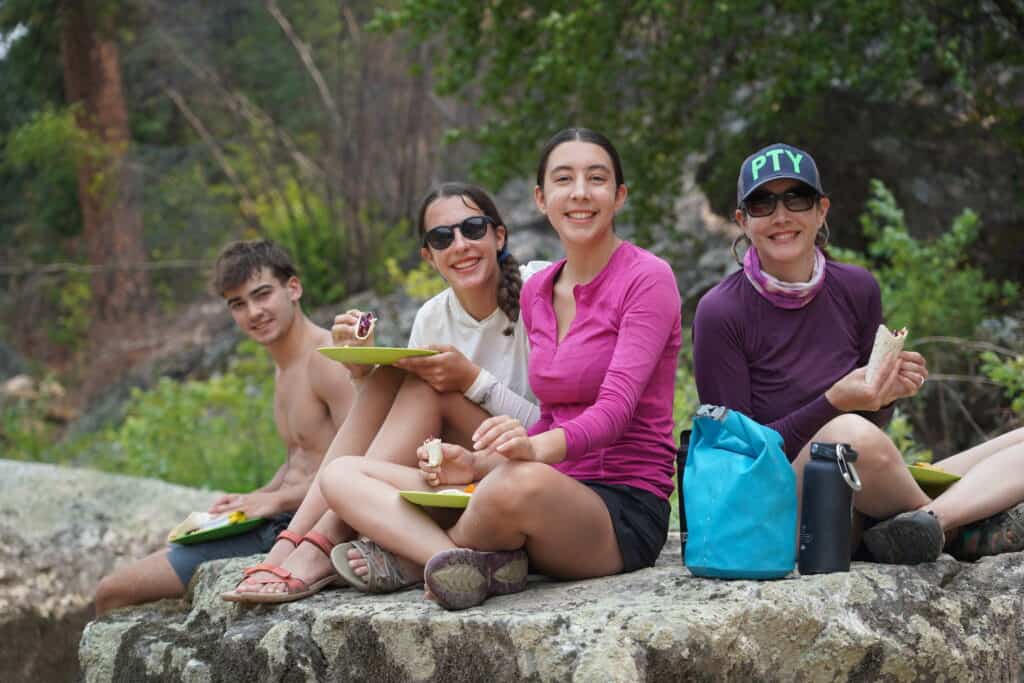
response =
{"points": [[886, 344]]}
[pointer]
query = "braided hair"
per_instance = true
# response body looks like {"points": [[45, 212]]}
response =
{"points": [[474, 197]]}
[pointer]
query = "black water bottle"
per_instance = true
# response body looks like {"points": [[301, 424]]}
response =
{"points": [[829, 482]]}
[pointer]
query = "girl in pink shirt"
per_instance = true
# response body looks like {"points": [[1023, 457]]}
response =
{"points": [[584, 492]]}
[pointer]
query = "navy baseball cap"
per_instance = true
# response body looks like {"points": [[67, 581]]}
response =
{"points": [[773, 162]]}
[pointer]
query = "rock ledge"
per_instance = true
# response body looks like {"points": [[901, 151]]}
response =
{"points": [[943, 621]]}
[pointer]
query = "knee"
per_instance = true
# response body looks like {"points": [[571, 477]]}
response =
{"points": [[875, 450], [412, 383], [337, 478], [513, 487]]}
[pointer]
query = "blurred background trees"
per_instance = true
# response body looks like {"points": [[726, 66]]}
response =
{"points": [[140, 135]]}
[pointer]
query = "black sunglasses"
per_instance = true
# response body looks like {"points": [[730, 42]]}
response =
{"points": [[472, 228], [764, 203]]}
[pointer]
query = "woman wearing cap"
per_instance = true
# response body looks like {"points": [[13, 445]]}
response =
{"points": [[786, 340]]}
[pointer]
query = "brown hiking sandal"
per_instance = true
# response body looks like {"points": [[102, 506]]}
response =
{"points": [[1003, 532]]}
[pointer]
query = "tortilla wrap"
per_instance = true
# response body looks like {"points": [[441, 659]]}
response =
{"points": [[365, 325], [886, 343]]}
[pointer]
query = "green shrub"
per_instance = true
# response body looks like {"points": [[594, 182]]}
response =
{"points": [[902, 434], [421, 282], [219, 433], [1008, 373], [24, 432], [927, 287], [74, 308]]}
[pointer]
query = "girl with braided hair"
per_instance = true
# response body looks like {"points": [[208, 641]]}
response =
{"points": [[479, 370], [583, 491]]}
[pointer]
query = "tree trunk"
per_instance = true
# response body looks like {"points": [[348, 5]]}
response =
{"points": [[107, 184]]}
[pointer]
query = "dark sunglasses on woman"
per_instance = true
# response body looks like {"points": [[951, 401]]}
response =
{"points": [[762, 204], [472, 228]]}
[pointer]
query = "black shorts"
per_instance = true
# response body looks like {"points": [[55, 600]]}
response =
{"points": [[640, 520]]}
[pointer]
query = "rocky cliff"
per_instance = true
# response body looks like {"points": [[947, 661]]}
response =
{"points": [[61, 529]]}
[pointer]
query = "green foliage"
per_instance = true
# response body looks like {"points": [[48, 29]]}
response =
{"points": [[1009, 374], [927, 287], [666, 79], [219, 433], [42, 154], [74, 306], [421, 282], [24, 432], [902, 434]]}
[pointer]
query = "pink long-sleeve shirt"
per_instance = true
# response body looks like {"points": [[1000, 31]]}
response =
{"points": [[610, 382]]}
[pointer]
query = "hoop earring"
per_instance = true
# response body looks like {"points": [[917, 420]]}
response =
{"points": [[735, 243], [823, 235]]}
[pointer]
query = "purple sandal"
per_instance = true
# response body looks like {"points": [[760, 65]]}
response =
{"points": [[459, 578]]}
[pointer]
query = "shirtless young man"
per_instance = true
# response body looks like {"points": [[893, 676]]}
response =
{"points": [[312, 396]]}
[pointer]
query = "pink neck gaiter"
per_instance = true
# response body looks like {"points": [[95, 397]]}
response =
{"points": [[784, 294]]}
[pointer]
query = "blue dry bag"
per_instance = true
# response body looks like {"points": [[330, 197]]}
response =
{"points": [[739, 495]]}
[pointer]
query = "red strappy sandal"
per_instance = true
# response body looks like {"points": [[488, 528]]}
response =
{"points": [[297, 588], [285, 535]]}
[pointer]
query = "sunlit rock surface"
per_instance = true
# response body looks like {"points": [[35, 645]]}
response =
{"points": [[61, 529]]}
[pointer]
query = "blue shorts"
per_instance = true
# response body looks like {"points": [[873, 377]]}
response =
{"points": [[185, 559]]}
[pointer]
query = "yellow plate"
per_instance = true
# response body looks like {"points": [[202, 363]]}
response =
{"points": [[436, 500], [928, 476], [371, 355]]}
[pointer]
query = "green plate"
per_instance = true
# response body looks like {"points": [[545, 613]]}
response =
{"points": [[371, 355], [926, 476], [436, 500], [219, 532]]}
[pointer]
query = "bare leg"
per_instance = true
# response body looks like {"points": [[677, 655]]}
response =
{"points": [[512, 507], [417, 413], [517, 505], [993, 480], [376, 394], [888, 487], [145, 580], [364, 493]]}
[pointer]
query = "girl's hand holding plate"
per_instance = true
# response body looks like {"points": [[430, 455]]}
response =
{"points": [[456, 467], [447, 370]]}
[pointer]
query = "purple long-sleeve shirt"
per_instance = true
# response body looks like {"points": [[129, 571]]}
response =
{"points": [[610, 382], [775, 364]]}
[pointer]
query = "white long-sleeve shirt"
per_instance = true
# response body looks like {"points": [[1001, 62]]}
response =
{"points": [[502, 387]]}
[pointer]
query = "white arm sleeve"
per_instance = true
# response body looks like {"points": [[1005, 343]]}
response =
{"points": [[498, 399]]}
